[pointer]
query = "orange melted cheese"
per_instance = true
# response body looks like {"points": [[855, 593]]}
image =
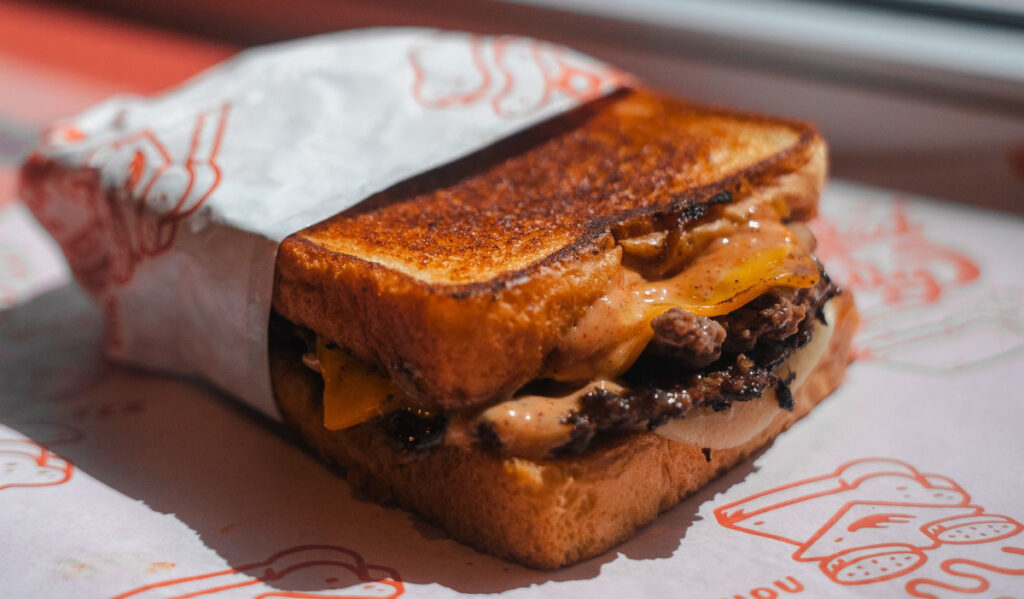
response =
{"points": [[353, 391]]}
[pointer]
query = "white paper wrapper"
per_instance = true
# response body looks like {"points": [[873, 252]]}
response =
{"points": [[176, 226], [122, 484]]}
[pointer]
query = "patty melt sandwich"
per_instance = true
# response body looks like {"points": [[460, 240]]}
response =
{"points": [[543, 345]]}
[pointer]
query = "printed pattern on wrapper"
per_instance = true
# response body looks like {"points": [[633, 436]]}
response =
{"points": [[278, 138], [111, 233], [875, 520], [107, 234], [333, 571], [884, 253], [920, 299], [26, 464], [514, 75]]}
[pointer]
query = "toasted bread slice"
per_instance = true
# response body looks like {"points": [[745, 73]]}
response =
{"points": [[460, 282], [541, 513]]}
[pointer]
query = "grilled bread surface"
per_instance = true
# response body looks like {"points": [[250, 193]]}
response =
{"points": [[460, 282]]}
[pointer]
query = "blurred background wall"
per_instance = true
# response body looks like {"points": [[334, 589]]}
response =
{"points": [[924, 96]]}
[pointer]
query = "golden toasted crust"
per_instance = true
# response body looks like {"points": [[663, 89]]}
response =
{"points": [[547, 513], [460, 282]]}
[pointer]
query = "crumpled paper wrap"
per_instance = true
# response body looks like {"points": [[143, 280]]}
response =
{"points": [[171, 208]]}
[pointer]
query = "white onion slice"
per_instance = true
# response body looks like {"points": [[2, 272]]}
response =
{"points": [[745, 419]]}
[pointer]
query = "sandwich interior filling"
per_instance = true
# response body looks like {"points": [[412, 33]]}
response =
{"points": [[714, 317]]}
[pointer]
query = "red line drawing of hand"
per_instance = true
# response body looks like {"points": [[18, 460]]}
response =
{"points": [[472, 77], [516, 76], [525, 81], [325, 570], [26, 464], [870, 521], [199, 175], [107, 233], [162, 189]]}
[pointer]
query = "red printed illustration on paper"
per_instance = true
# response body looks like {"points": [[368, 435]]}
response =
{"points": [[884, 254], [881, 521], [25, 464], [920, 300], [107, 230], [308, 571], [514, 76], [107, 233]]}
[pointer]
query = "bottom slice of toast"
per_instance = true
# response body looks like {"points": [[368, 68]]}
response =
{"points": [[540, 513]]}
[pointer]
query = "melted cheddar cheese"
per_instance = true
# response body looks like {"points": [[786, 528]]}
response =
{"points": [[354, 392]]}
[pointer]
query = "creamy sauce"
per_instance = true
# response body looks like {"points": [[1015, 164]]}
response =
{"points": [[531, 425], [310, 361], [752, 252]]}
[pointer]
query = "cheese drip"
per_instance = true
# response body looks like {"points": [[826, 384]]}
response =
{"points": [[354, 392], [730, 272]]}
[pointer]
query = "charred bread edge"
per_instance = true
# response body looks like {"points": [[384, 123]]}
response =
{"points": [[781, 162]]}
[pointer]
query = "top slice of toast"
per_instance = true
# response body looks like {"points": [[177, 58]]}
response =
{"points": [[459, 282]]}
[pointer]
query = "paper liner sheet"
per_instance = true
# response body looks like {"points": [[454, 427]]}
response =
{"points": [[905, 483], [177, 203]]}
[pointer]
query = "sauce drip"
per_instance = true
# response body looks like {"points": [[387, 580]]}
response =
{"points": [[751, 256]]}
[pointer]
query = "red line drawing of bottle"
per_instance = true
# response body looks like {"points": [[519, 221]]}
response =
{"points": [[871, 520], [326, 570]]}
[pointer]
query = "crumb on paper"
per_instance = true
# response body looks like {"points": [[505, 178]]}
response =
{"points": [[72, 568], [160, 567]]}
